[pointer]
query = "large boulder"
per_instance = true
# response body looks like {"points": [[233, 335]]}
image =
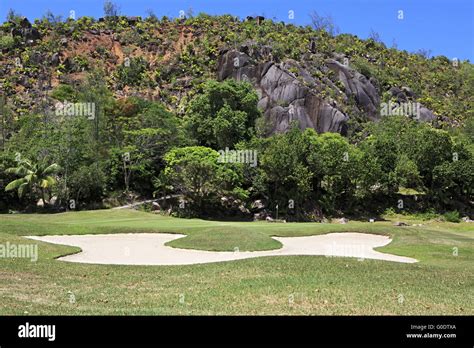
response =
{"points": [[358, 86], [25, 30], [289, 90], [426, 114], [229, 61], [283, 97], [53, 200], [406, 95]]}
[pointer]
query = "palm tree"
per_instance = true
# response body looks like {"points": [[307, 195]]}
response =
{"points": [[33, 177]]}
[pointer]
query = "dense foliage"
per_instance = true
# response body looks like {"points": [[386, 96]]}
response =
{"points": [[161, 122]]}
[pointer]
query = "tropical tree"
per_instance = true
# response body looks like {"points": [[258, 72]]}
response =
{"points": [[223, 114], [195, 172], [284, 168], [453, 181], [34, 177], [334, 164], [141, 133]]}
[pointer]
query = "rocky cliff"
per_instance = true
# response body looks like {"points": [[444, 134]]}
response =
{"points": [[300, 74], [289, 92]]}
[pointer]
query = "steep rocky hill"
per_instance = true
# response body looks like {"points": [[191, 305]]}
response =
{"points": [[161, 113], [327, 83]]}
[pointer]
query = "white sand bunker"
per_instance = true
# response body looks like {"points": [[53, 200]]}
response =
{"points": [[149, 248]]}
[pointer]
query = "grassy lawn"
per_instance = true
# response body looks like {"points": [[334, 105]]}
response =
{"points": [[441, 283]]}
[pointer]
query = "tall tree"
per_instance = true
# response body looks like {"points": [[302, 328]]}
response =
{"points": [[223, 114], [34, 177], [195, 172]]}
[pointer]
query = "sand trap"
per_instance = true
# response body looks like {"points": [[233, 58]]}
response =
{"points": [[149, 248]]}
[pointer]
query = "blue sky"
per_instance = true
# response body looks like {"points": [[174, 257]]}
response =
{"points": [[445, 27]]}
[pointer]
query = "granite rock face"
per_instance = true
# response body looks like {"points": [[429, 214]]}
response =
{"points": [[289, 90], [358, 86], [283, 97]]}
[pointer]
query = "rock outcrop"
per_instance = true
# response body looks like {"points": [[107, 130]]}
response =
{"points": [[25, 30], [283, 97], [289, 90], [358, 86], [405, 95]]}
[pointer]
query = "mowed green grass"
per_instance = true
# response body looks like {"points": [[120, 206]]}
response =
{"points": [[441, 283]]}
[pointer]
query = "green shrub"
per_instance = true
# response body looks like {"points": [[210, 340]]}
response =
{"points": [[6, 42], [389, 212], [131, 74], [80, 63], [452, 216], [64, 92], [364, 67]]}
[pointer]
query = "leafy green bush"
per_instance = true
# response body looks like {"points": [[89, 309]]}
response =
{"points": [[6, 42], [223, 114], [363, 67], [390, 212], [452, 216], [80, 63], [64, 92], [185, 165], [131, 73]]}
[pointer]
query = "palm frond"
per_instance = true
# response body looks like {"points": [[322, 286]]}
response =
{"points": [[21, 189], [53, 168], [30, 177], [20, 171], [15, 184]]}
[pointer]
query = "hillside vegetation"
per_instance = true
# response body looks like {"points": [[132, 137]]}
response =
{"points": [[125, 107]]}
